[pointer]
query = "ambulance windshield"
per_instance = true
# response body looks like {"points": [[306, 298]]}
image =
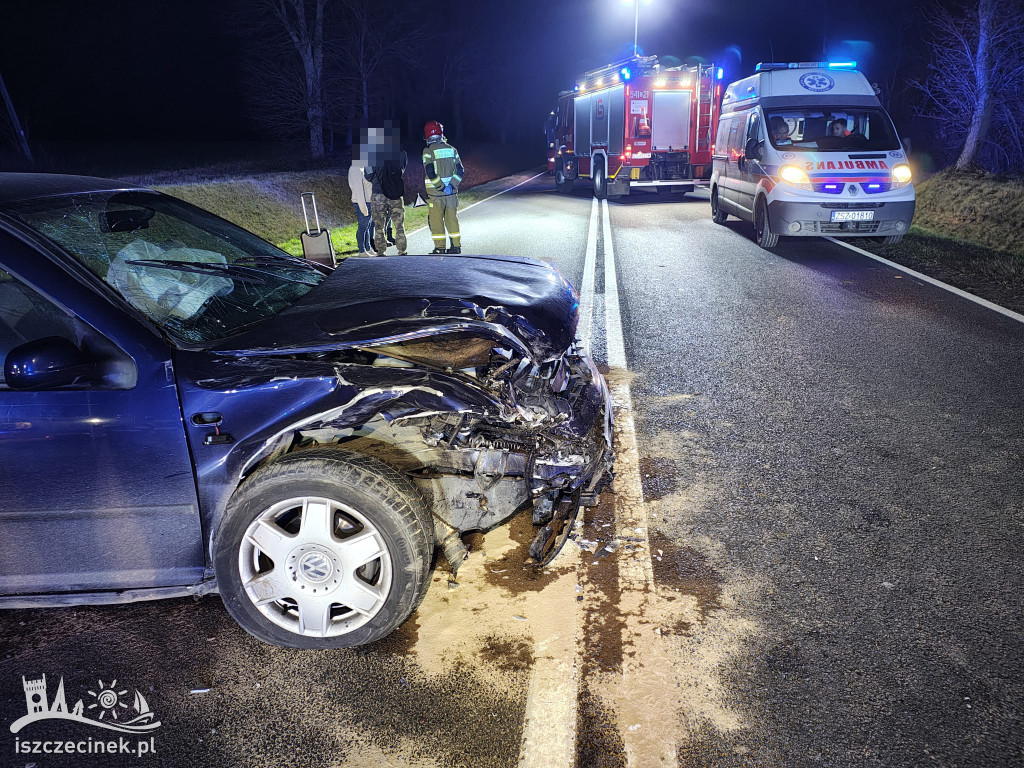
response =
{"points": [[831, 129]]}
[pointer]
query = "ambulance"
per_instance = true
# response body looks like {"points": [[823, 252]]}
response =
{"points": [[805, 149]]}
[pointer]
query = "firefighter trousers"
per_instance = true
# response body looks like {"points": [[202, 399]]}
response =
{"points": [[441, 216], [381, 208]]}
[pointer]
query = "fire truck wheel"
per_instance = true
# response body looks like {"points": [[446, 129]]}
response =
{"points": [[762, 226], [562, 184], [718, 215], [600, 181]]}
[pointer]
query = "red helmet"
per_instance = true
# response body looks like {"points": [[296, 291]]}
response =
{"points": [[432, 128]]}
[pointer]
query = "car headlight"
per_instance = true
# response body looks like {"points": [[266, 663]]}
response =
{"points": [[796, 176], [901, 175]]}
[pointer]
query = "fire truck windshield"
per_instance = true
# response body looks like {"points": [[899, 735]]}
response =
{"points": [[831, 129]]}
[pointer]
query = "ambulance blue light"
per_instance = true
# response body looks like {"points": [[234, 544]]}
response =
{"points": [[721, 73], [842, 65]]}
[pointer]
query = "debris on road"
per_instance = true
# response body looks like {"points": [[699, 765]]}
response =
{"points": [[200, 690]]}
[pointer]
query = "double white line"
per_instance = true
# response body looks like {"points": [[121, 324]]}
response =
{"points": [[549, 732]]}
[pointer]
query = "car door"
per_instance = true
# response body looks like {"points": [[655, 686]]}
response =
{"points": [[731, 152], [748, 171], [98, 485]]}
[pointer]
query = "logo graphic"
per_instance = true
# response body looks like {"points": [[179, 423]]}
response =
{"points": [[316, 567], [852, 189], [105, 705], [818, 82]]}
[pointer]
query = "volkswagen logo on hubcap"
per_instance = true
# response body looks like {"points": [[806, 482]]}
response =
{"points": [[315, 567]]}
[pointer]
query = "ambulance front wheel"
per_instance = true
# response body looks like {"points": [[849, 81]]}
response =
{"points": [[718, 215], [762, 226]]}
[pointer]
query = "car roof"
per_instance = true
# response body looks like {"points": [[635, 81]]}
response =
{"points": [[26, 186]]}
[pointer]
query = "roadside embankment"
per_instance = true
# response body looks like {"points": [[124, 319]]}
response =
{"points": [[269, 204], [967, 232]]}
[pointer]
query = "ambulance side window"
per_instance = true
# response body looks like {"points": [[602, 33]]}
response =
{"points": [[753, 128], [736, 135], [722, 139]]}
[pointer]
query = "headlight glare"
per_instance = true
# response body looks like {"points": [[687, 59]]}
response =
{"points": [[901, 175], [795, 176]]}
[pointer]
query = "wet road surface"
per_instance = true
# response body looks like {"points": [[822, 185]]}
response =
{"points": [[828, 455]]}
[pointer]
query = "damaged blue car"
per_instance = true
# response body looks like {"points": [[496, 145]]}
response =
{"points": [[186, 409]]}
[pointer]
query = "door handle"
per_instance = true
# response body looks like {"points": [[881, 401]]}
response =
{"points": [[207, 419]]}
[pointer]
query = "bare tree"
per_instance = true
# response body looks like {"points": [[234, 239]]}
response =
{"points": [[373, 40], [285, 63], [971, 92]]}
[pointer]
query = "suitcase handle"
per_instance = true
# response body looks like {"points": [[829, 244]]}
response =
{"points": [[305, 214]]}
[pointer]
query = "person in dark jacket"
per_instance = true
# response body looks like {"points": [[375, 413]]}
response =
{"points": [[387, 198]]}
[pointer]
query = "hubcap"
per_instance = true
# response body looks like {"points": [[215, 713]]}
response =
{"points": [[315, 567]]}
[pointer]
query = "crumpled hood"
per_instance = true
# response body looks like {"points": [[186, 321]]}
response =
{"points": [[364, 300]]}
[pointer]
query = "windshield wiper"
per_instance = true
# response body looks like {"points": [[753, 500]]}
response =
{"points": [[240, 272]]}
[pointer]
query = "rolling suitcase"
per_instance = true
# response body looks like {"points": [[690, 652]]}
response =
{"points": [[316, 246]]}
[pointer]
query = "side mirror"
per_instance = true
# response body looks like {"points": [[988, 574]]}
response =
{"points": [[45, 363], [752, 151]]}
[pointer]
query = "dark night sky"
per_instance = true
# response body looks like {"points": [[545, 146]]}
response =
{"points": [[160, 69]]}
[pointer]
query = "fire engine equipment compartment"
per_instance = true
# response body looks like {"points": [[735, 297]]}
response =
{"points": [[805, 149], [635, 123]]}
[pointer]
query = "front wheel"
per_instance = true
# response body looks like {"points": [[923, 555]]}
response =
{"points": [[717, 214], [323, 549], [762, 227], [562, 184], [600, 181]]}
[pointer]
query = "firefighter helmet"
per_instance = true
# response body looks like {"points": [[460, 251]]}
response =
{"points": [[432, 128]]}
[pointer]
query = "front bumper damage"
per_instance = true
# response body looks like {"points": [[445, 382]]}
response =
{"points": [[553, 457]]}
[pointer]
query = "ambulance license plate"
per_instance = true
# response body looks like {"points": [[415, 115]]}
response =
{"points": [[853, 215]]}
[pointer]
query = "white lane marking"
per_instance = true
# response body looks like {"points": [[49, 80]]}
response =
{"points": [[646, 740], [945, 286], [473, 205], [587, 288], [549, 722], [612, 316]]}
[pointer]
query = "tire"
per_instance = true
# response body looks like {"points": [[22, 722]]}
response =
{"points": [[273, 546], [562, 184], [891, 239], [763, 228], [600, 181], [718, 215]]}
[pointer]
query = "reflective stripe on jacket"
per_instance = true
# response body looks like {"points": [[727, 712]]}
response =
{"points": [[441, 165]]}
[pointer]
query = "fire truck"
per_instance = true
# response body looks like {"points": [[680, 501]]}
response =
{"points": [[634, 124]]}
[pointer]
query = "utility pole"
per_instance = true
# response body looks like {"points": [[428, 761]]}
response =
{"points": [[15, 122]]}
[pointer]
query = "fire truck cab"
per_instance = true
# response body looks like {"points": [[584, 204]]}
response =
{"points": [[636, 124]]}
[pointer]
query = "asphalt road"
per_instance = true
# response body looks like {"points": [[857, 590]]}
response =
{"points": [[830, 458]]}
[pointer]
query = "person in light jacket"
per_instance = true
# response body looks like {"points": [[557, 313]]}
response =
{"points": [[362, 190]]}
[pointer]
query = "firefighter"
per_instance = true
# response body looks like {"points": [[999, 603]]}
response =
{"points": [[442, 172]]}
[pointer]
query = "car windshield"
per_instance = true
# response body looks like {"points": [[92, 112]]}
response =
{"points": [[831, 129], [198, 277]]}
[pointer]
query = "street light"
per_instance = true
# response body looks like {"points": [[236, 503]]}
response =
{"points": [[636, 20]]}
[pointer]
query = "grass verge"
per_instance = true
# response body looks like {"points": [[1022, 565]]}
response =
{"points": [[967, 233], [994, 275]]}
